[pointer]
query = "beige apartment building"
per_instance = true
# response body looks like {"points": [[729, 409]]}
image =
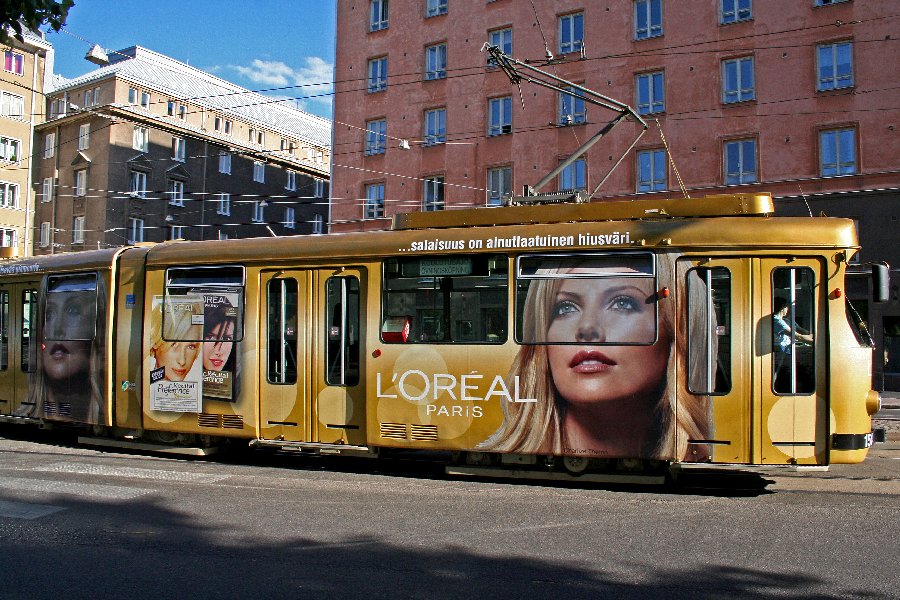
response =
{"points": [[25, 66], [147, 148]]}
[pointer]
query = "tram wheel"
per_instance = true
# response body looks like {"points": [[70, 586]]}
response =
{"points": [[576, 465]]}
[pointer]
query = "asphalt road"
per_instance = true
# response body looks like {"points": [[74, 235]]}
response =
{"points": [[77, 523]]}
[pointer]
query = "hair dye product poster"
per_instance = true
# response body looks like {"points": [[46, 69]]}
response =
{"points": [[219, 353]]}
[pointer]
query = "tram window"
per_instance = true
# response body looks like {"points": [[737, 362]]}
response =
{"points": [[555, 294], [71, 310], [709, 330], [213, 295], [452, 299], [282, 336], [342, 335], [793, 318], [4, 330], [858, 317], [29, 310]]}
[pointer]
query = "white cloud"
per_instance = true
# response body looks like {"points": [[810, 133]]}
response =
{"points": [[314, 76]]}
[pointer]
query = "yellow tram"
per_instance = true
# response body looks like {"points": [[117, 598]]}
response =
{"points": [[564, 340]]}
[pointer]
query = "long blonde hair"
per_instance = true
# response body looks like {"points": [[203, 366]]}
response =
{"points": [[179, 324], [536, 427]]}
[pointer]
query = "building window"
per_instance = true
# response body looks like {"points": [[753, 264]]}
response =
{"points": [[132, 95], [12, 105], [572, 108], [222, 235], [179, 149], [141, 139], [78, 230], [500, 115], [737, 80], [502, 38], [647, 19], [377, 81], [651, 170], [318, 224], [571, 33], [259, 171], [319, 188], [84, 136], [290, 220], [45, 234], [13, 62], [172, 108], [434, 8], [259, 211], [225, 163], [436, 61], [81, 182], [49, 145], [136, 231], [835, 66], [47, 189], [828, 2], [435, 126], [9, 195], [734, 11], [224, 207], [376, 136], [9, 238], [291, 183], [573, 177], [10, 149], [176, 192], [651, 95], [375, 201], [499, 185], [740, 162], [176, 232], [837, 152], [433, 198], [137, 186], [378, 15], [145, 100]]}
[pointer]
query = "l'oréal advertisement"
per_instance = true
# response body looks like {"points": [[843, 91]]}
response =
{"points": [[192, 349]]}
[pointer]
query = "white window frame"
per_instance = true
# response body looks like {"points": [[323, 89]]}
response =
{"points": [[377, 72], [436, 62], [502, 38], [135, 230], [47, 188], [258, 214], [739, 174], [12, 105], [50, 144], [572, 109], [435, 126], [16, 61], [224, 200], [735, 11], [651, 183], [433, 193], [833, 80], [499, 116], [176, 232], [137, 184], [132, 95], [374, 200], [80, 177], [225, 163], [44, 239], [290, 217], [9, 238], [646, 82], [839, 167], [78, 230], [259, 171], [179, 149], [319, 188], [574, 176], [10, 149], [145, 100], [378, 15], [318, 227], [376, 137], [84, 136], [435, 8], [645, 9], [176, 192], [568, 34], [9, 194], [499, 183], [141, 139], [734, 87], [290, 183]]}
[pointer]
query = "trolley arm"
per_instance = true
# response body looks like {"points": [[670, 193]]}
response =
{"points": [[518, 71]]}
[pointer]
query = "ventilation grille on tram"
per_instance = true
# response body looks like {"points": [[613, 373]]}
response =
{"points": [[220, 421], [416, 433], [61, 409]]}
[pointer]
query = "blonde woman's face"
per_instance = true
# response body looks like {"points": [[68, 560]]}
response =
{"points": [[587, 312], [177, 358]]}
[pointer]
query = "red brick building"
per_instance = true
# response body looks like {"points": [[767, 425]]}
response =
{"points": [[794, 98]]}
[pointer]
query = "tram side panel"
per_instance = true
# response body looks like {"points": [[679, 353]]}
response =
{"points": [[129, 318]]}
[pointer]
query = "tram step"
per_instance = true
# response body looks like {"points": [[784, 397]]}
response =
{"points": [[145, 447], [315, 447]]}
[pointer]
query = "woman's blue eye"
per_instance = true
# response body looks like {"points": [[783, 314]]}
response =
{"points": [[564, 308], [623, 303]]}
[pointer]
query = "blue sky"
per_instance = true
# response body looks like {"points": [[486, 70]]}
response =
{"points": [[259, 45]]}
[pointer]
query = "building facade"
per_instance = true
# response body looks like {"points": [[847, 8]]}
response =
{"points": [[22, 78], [790, 98], [147, 149]]}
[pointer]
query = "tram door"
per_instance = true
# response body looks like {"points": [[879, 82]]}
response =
{"points": [[18, 307], [311, 389]]}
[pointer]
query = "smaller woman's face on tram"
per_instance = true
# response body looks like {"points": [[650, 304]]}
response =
{"points": [[177, 358], [69, 322], [588, 313], [217, 346]]}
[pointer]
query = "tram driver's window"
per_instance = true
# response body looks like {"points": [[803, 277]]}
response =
{"points": [[793, 321], [709, 330], [446, 299]]}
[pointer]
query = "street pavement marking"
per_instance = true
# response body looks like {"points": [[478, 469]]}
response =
{"points": [[88, 469], [21, 510], [109, 492]]}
